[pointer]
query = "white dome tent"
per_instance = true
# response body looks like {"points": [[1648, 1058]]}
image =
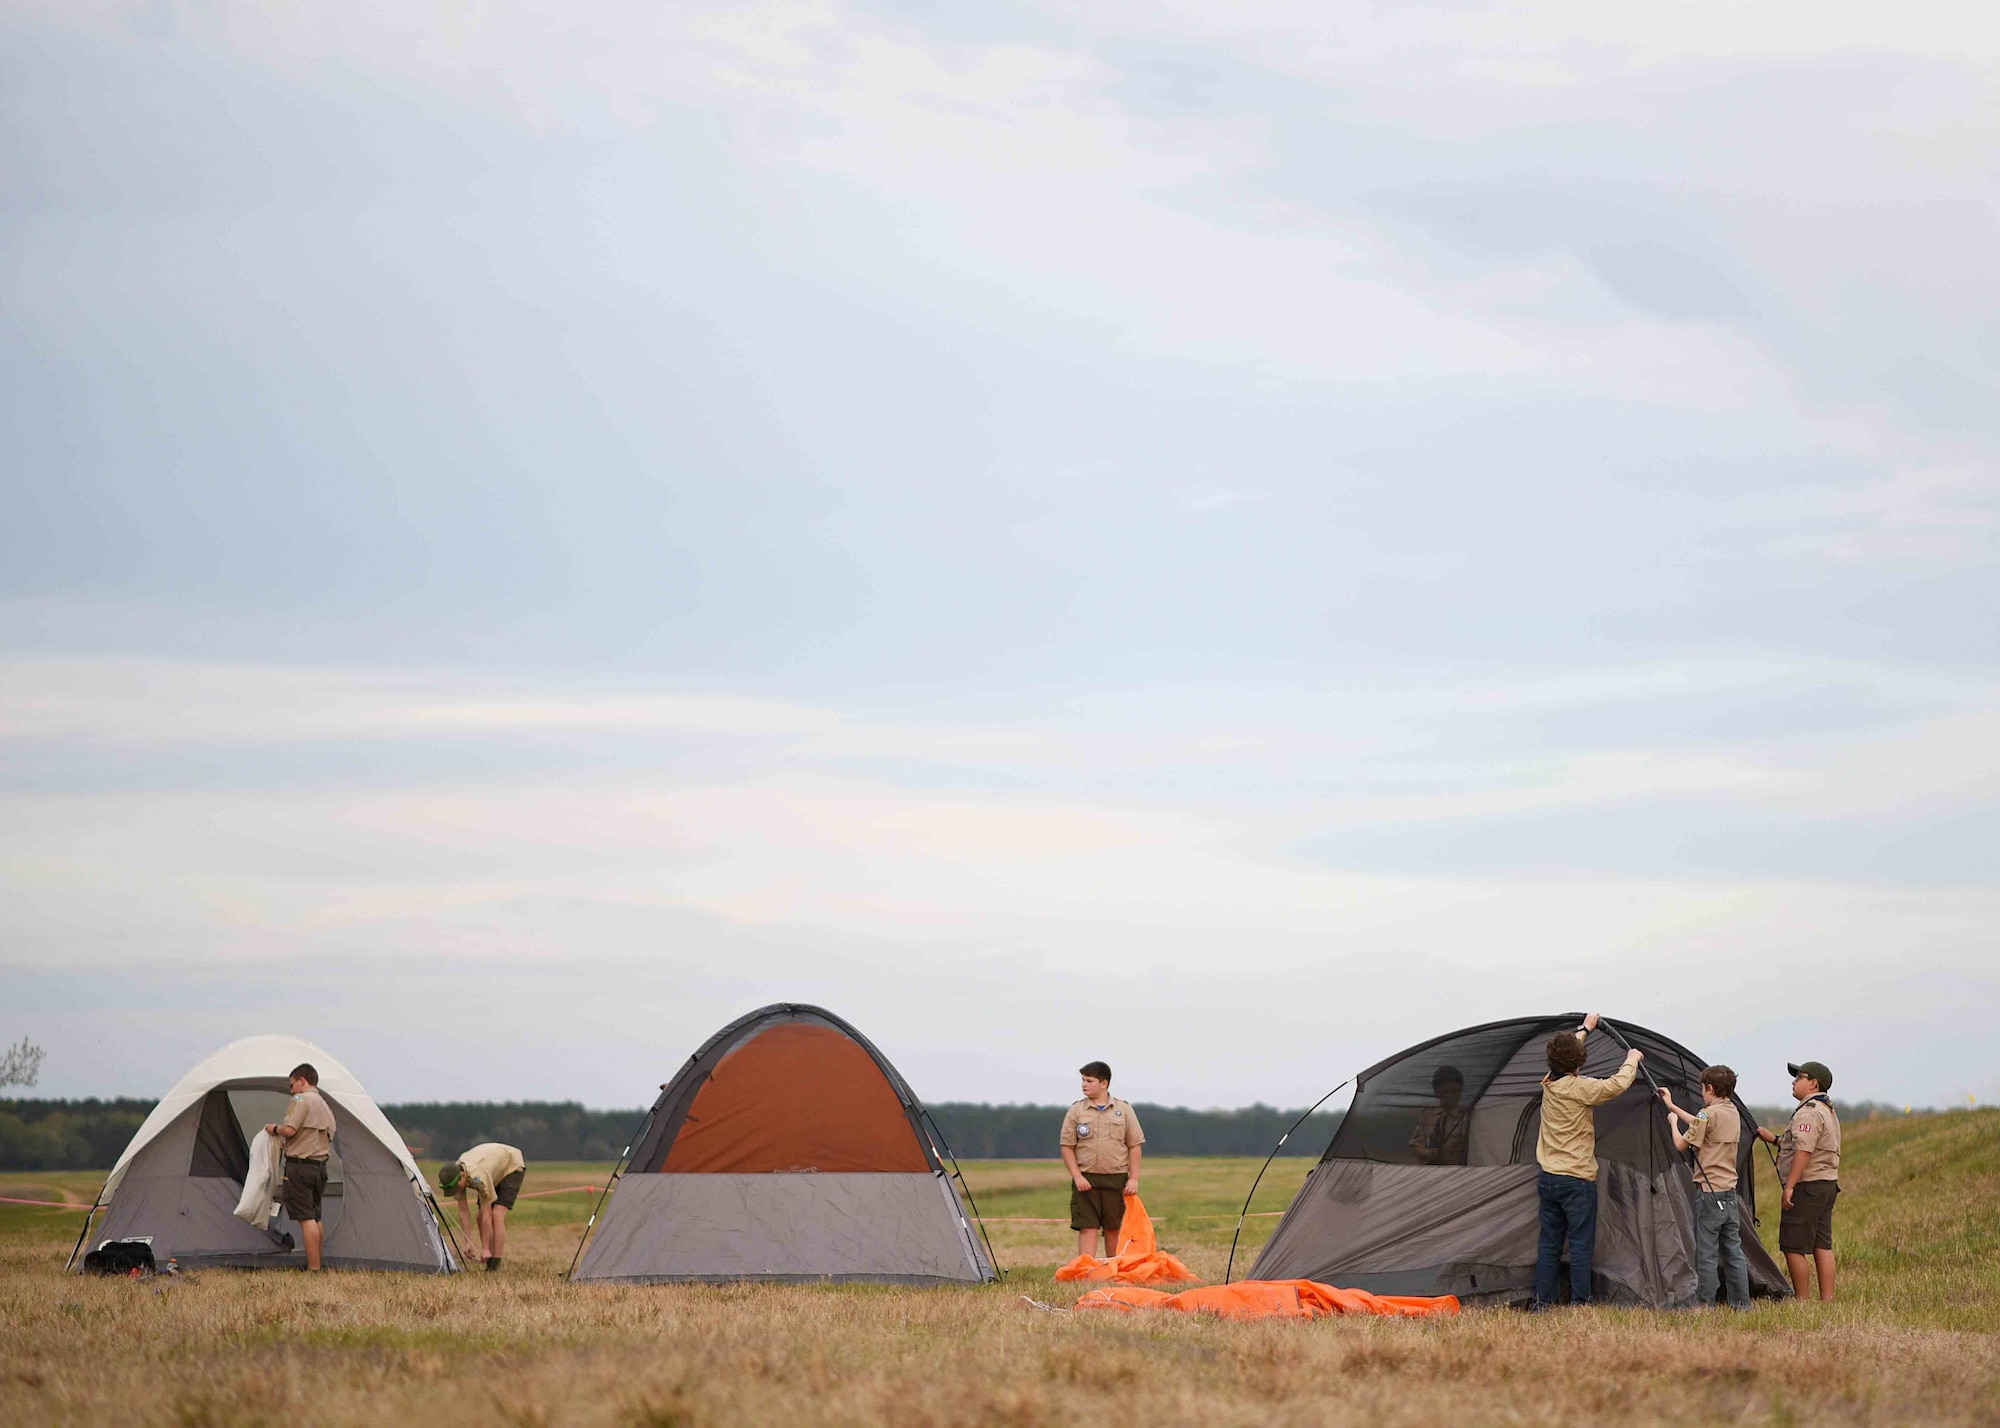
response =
{"points": [[177, 1183]]}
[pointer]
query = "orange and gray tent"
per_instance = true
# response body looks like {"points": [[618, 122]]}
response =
{"points": [[1414, 1197], [786, 1149]]}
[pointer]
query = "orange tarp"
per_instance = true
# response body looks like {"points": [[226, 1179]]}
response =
{"points": [[1269, 1299], [1139, 1259]]}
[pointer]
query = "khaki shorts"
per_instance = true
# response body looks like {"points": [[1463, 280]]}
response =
{"points": [[304, 1189], [508, 1188], [1101, 1207], [1808, 1225]]}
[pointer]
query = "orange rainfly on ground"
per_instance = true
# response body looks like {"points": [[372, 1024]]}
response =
{"points": [[1139, 1259], [1268, 1299]]}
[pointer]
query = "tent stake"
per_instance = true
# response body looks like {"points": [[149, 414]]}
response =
{"points": [[1266, 1166]]}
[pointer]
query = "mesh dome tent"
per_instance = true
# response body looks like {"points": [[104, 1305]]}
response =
{"points": [[1411, 1200], [178, 1180], [786, 1149]]}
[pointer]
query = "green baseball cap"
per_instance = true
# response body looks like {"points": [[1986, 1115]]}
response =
{"points": [[448, 1175], [1815, 1069]]}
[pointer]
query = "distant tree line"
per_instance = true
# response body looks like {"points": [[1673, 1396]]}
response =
{"points": [[981, 1132], [88, 1135], [67, 1135], [540, 1130]]}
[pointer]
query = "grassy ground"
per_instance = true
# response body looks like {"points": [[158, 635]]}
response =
{"points": [[1915, 1337]]}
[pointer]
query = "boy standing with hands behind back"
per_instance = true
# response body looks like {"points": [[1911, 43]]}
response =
{"points": [[1101, 1143]]}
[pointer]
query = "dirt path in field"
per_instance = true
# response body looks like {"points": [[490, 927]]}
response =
{"points": [[32, 1191]]}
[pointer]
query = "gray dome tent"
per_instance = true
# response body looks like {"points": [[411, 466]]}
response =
{"points": [[1396, 1207], [786, 1149], [177, 1183]]}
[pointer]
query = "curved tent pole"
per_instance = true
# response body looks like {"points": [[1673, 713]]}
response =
{"points": [[964, 1185], [616, 1171], [1231, 1269], [97, 1204], [1619, 1036], [437, 1211]]}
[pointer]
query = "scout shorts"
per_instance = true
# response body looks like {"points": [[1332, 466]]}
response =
{"points": [[304, 1189], [1808, 1225], [508, 1188], [1101, 1207]]}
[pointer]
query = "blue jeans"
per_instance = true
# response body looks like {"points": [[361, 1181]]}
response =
{"points": [[1718, 1231], [1569, 1207]]}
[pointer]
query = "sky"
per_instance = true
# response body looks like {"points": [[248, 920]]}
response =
{"points": [[1229, 539]]}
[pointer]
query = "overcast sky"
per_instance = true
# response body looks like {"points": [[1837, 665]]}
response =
{"points": [[1230, 538]]}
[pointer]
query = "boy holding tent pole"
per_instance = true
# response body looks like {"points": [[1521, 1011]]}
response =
{"points": [[1567, 1154], [1713, 1134]]}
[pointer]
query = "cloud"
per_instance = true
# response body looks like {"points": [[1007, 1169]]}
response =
{"points": [[1341, 518]]}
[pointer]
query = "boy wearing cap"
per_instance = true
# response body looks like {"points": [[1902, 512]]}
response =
{"points": [[491, 1174], [1100, 1143], [1809, 1166], [1713, 1134], [1567, 1154]]}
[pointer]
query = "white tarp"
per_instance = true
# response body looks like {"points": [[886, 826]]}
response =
{"points": [[260, 1187]]}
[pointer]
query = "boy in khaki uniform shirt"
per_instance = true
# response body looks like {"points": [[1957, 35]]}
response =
{"points": [[1809, 1166], [1713, 1134], [1567, 1153], [492, 1173], [1100, 1142], [307, 1131]]}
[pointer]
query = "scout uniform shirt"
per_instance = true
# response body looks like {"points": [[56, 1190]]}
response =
{"points": [[311, 1118], [487, 1165], [1815, 1134], [1441, 1135], [1568, 1143], [1103, 1136], [1713, 1136]]}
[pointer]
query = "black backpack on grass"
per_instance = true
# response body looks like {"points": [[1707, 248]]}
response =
{"points": [[120, 1257]]}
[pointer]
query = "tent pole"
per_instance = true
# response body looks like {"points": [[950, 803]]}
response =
{"points": [[1619, 1036], [616, 1171], [438, 1212], [1266, 1166], [978, 1218], [95, 1205]]}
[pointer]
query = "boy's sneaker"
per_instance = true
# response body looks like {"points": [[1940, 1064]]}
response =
{"points": [[492, 1262]]}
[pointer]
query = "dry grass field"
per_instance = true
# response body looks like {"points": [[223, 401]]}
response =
{"points": [[1916, 1337]]}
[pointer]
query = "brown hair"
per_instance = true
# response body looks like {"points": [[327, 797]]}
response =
{"points": [[1097, 1069], [1721, 1080], [304, 1072], [1565, 1053]]}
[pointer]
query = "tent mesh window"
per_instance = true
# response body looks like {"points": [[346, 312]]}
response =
{"points": [[1474, 1098]]}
